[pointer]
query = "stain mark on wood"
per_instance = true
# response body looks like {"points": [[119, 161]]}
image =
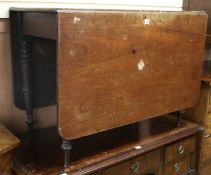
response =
{"points": [[76, 20], [141, 65]]}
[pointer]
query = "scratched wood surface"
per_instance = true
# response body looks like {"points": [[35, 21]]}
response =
{"points": [[116, 67]]}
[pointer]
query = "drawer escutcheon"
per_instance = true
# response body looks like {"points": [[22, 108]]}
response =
{"points": [[134, 168], [176, 167], [181, 149]]}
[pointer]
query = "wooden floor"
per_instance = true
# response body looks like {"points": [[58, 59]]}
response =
{"points": [[44, 156]]}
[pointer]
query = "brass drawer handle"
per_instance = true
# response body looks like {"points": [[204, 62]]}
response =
{"points": [[176, 167], [134, 168], [181, 149]]}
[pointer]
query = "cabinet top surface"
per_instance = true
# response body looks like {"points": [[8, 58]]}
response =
{"points": [[120, 75]]}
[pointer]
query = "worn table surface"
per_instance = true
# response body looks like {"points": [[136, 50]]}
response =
{"points": [[115, 68], [7, 140]]}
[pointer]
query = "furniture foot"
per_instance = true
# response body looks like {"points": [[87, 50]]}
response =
{"points": [[66, 146], [26, 75], [30, 125]]}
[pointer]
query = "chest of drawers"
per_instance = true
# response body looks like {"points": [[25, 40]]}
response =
{"points": [[160, 150], [201, 111], [201, 114]]}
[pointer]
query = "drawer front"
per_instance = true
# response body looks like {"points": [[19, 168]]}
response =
{"points": [[105, 60], [179, 149], [140, 165], [179, 166], [152, 171]]}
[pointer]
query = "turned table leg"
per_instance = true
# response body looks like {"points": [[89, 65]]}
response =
{"points": [[179, 117], [66, 146], [26, 72]]}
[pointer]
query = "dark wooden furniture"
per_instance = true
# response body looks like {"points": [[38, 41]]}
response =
{"points": [[111, 76], [8, 142], [201, 113], [152, 147], [106, 69], [198, 5], [120, 84]]}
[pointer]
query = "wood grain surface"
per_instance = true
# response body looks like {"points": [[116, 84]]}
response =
{"points": [[5, 164], [99, 151], [7, 140], [200, 114], [116, 68], [147, 162], [206, 170]]}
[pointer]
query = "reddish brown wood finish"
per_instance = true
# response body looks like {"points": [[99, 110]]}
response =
{"points": [[145, 163], [172, 152], [201, 114], [178, 167], [103, 150], [5, 164], [114, 68], [8, 141]]}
